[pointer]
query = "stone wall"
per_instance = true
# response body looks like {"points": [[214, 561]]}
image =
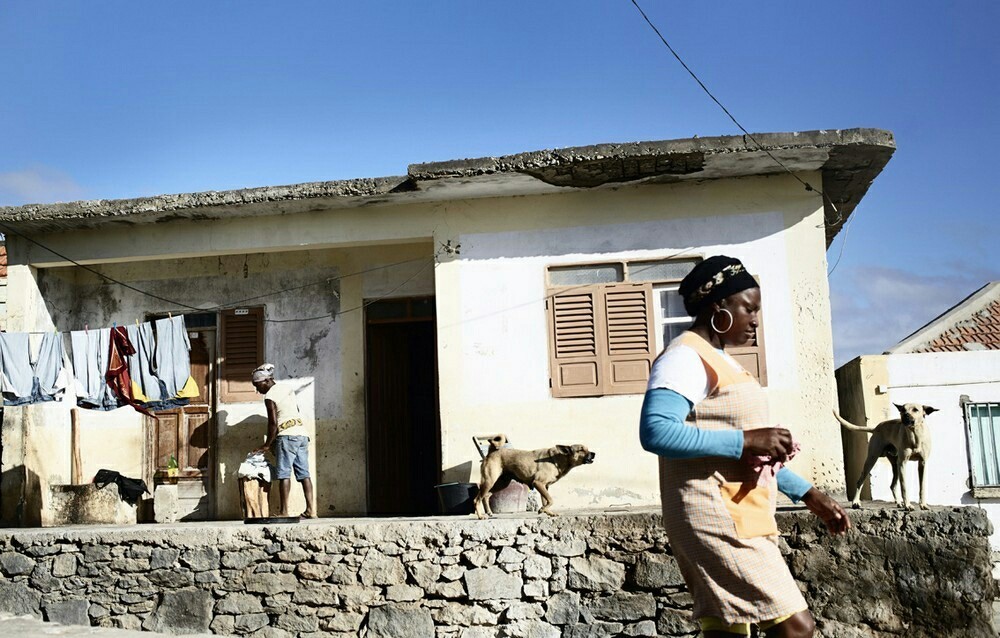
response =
{"points": [[896, 574]]}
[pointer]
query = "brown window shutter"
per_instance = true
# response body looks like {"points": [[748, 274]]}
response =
{"points": [[751, 356], [242, 339], [631, 341], [575, 330]]}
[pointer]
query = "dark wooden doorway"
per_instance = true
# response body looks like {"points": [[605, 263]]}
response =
{"points": [[402, 407], [188, 434]]}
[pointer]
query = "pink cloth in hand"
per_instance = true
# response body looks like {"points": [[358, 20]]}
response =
{"points": [[767, 467]]}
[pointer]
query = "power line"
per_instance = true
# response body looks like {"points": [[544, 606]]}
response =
{"points": [[746, 133], [275, 293], [843, 243], [174, 302], [365, 304], [8, 229]]}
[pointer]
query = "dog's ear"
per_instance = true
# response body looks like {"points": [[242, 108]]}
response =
{"points": [[565, 449], [901, 408], [928, 410]]}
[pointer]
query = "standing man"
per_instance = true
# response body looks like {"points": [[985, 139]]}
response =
{"points": [[287, 434]]}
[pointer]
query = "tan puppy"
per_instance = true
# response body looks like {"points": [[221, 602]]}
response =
{"points": [[537, 468], [900, 440]]}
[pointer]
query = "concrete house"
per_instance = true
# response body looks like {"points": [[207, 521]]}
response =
{"points": [[952, 364], [525, 294]]}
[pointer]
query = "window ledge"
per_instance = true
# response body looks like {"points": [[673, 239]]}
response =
{"points": [[990, 491]]}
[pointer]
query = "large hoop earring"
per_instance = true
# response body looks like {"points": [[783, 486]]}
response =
{"points": [[716, 328]]}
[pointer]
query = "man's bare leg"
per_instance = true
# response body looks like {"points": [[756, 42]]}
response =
{"points": [[284, 489], [307, 489]]}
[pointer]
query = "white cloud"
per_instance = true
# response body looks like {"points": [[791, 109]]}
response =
{"points": [[38, 185], [876, 307]]}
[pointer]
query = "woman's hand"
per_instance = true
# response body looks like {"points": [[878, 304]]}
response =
{"points": [[828, 510], [774, 442]]}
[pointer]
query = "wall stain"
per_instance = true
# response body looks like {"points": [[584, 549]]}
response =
{"points": [[309, 352]]}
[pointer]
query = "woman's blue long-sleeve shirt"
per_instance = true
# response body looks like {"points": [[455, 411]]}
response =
{"points": [[662, 431]]}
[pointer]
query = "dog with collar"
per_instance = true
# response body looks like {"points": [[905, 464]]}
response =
{"points": [[899, 440]]}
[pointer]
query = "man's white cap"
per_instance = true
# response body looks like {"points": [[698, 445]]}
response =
{"points": [[265, 371]]}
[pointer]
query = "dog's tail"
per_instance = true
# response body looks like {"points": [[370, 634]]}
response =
{"points": [[850, 426]]}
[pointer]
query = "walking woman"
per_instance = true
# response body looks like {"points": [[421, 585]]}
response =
{"points": [[707, 419]]}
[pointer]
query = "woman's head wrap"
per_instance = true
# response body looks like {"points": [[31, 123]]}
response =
{"points": [[713, 280], [265, 371]]}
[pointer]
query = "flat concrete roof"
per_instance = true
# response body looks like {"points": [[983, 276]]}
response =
{"points": [[849, 160]]}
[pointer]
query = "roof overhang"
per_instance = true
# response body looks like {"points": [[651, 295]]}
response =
{"points": [[848, 160]]}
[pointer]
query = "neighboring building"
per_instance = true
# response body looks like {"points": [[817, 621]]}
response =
{"points": [[525, 294], [952, 364]]}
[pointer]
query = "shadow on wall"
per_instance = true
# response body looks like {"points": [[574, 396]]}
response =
{"points": [[234, 441], [20, 498]]}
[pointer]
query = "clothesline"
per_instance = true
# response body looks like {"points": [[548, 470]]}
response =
{"points": [[86, 327], [111, 367]]}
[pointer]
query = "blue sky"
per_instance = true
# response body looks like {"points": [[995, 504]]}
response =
{"points": [[124, 99]]}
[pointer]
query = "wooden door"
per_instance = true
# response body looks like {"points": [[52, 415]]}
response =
{"points": [[187, 434], [402, 408]]}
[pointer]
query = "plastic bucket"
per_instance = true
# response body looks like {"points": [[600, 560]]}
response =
{"points": [[512, 499], [456, 498]]}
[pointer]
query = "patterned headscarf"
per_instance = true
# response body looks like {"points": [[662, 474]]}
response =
{"points": [[265, 371], [712, 280]]}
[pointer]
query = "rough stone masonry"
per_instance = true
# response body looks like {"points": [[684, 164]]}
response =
{"points": [[896, 574]]}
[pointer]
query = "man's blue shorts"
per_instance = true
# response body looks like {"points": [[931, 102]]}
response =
{"points": [[293, 454]]}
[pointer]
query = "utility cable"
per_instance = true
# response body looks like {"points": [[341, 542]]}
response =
{"points": [[275, 293], [363, 305], [746, 133], [7, 229]]}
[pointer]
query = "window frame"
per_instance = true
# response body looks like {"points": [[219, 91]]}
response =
{"points": [[984, 489], [655, 325]]}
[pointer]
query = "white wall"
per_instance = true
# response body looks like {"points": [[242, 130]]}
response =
{"points": [[493, 332], [938, 380]]}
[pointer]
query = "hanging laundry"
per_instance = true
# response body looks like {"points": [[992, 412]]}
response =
{"points": [[16, 377], [51, 375], [117, 375], [90, 353], [146, 387], [173, 359]]}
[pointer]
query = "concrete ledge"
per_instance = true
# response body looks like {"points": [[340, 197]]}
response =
{"points": [[87, 505], [896, 574]]}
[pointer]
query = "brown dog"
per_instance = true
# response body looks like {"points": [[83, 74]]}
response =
{"points": [[536, 468], [899, 440]]}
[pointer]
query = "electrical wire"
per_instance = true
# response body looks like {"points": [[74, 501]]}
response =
{"points": [[746, 133], [363, 305], [7, 229], [275, 293], [843, 243]]}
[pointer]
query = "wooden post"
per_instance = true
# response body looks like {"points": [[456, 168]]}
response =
{"points": [[75, 463]]}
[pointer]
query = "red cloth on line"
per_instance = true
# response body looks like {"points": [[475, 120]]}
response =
{"points": [[117, 375]]}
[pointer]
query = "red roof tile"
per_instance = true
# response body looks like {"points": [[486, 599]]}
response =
{"points": [[980, 326]]}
